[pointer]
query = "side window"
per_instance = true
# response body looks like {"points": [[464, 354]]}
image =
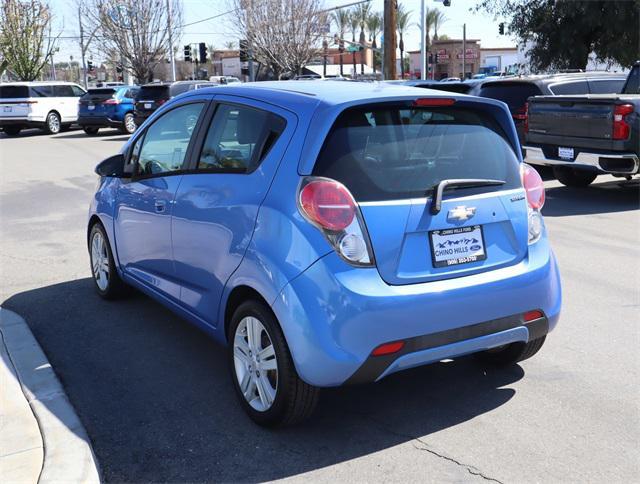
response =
{"points": [[165, 142], [573, 87], [77, 92], [63, 91], [42, 91], [239, 138], [605, 86]]}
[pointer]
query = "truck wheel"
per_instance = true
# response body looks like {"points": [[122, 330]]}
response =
{"points": [[572, 177], [511, 353]]}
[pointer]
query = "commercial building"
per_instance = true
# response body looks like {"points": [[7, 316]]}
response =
{"points": [[448, 59]]}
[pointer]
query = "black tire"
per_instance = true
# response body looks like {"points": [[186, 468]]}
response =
{"points": [[12, 130], [294, 400], [115, 287], [129, 125], [572, 177], [53, 124], [91, 130], [512, 353]]}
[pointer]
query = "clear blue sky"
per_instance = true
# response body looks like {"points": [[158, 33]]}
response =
{"points": [[217, 31]]}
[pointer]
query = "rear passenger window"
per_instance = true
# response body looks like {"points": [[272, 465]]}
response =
{"points": [[63, 91], [574, 87], [239, 138], [605, 86], [42, 91]]}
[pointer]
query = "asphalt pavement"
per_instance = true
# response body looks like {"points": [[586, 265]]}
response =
{"points": [[156, 400]]}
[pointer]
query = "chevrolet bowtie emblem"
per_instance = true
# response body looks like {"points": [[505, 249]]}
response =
{"points": [[461, 213]]}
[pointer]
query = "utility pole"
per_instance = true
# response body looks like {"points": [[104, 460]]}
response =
{"points": [[82, 49], [423, 52], [252, 76], [464, 51], [171, 56], [389, 64]]}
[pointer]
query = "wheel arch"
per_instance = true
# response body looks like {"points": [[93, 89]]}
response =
{"points": [[236, 297]]}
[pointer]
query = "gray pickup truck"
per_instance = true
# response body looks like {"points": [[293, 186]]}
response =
{"points": [[584, 136]]}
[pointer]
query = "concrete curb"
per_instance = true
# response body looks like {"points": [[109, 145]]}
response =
{"points": [[68, 456]]}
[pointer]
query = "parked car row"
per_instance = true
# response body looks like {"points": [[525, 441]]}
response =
{"points": [[55, 106]]}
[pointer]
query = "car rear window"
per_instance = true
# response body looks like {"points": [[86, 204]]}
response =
{"points": [[153, 93], [514, 94], [386, 152], [102, 92], [14, 92]]}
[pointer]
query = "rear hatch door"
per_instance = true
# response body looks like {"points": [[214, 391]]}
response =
{"points": [[391, 156], [150, 98], [92, 104], [15, 101]]}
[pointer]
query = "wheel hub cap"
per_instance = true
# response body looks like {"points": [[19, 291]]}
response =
{"points": [[255, 362], [100, 261]]}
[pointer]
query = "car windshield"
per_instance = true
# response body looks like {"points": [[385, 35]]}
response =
{"points": [[383, 152], [515, 94], [153, 93], [13, 92]]}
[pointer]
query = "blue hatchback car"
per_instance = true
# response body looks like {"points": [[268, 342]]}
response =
{"points": [[330, 233], [108, 107]]}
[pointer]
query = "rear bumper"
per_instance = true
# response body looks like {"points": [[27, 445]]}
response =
{"points": [[99, 121], [333, 316], [23, 122], [603, 162]]}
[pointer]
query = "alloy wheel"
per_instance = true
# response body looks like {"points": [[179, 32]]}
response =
{"points": [[53, 123], [256, 366], [130, 123], [100, 261]]}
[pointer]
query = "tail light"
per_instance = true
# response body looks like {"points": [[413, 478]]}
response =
{"points": [[534, 190], [521, 113], [329, 205], [526, 117], [111, 101], [621, 128], [388, 348]]}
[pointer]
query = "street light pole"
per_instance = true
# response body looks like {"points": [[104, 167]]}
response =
{"points": [[171, 56], [464, 51], [423, 52]]}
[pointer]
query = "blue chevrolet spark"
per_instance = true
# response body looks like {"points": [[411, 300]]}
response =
{"points": [[330, 233]]}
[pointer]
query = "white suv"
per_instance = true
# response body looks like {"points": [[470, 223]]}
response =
{"points": [[51, 106]]}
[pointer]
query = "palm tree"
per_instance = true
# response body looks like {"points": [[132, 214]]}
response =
{"points": [[362, 13], [429, 22], [402, 20], [230, 45], [374, 25], [354, 22], [438, 19], [342, 21]]}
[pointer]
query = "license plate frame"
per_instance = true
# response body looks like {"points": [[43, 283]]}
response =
{"points": [[567, 154], [454, 240], [7, 109], [91, 107]]}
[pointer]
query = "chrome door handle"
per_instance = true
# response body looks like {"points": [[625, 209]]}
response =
{"points": [[160, 205]]}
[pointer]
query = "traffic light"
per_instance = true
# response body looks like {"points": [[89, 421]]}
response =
{"points": [[89, 65], [446, 3], [244, 47], [187, 53], [119, 68], [501, 28], [202, 50]]}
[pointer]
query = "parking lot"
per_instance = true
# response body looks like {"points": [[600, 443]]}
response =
{"points": [[156, 400]]}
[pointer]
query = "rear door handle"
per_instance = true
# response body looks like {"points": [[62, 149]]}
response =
{"points": [[160, 206]]}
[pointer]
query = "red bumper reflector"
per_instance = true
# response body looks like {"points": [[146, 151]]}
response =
{"points": [[532, 315], [434, 101], [388, 348]]}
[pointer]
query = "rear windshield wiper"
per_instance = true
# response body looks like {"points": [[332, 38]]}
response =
{"points": [[439, 188]]}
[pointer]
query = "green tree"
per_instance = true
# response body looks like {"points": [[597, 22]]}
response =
{"points": [[403, 22], [26, 43], [438, 19], [342, 20], [362, 12], [354, 22], [374, 26], [562, 34]]}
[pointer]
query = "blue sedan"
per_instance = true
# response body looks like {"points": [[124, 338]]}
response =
{"points": [[330, 233]]}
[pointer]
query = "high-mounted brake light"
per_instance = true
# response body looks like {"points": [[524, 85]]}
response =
{"points": [[433, 102], [621, 128], [533, 186], [329, 205]]}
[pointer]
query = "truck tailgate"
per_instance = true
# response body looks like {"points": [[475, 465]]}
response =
{"points": [[572, 116]]}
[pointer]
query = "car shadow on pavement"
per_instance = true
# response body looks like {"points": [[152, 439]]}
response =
{"points": [[155, 396], [607, 197], [107, 135]]}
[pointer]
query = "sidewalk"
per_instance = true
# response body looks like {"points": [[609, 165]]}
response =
{"points": [[41, 438]]}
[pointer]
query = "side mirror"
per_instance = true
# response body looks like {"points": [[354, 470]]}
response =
{"points": [[112, 167]]}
